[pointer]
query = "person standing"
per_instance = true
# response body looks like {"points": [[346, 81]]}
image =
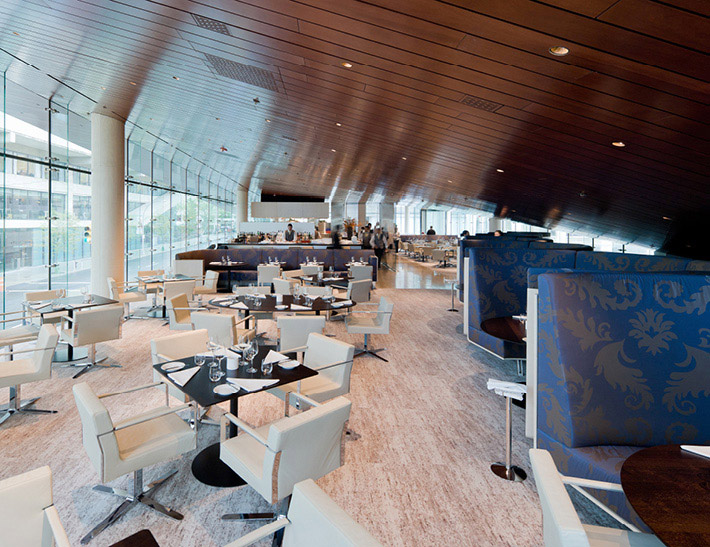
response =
{"points": [[379, 244], [431, 231], [365, 239], [396, 239], [289, 234]]}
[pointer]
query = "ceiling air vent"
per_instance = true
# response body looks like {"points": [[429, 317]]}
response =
{"points": [[481, 104], [289, 138], [211, 24], [243, 73]]}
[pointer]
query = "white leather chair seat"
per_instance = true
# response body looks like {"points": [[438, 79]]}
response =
{"points": [[360, 324], [131, 296], [20, 371], [148, 443], [318, 388], [600, 536], [250, 463], [18, 334]]}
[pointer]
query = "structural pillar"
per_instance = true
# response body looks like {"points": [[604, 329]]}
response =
{"points": [[495, 223], [107, 202], [242, 207], [387, 216], [362, 213]]}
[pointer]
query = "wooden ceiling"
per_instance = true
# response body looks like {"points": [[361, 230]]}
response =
{"points": [[461, 89]]}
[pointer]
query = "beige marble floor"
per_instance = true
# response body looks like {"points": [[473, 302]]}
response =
{"points": [[419, 475]]}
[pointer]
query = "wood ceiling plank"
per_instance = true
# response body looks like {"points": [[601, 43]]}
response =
{"points": [[589, 8]]}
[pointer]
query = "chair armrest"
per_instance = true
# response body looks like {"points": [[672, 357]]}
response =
{"points": [[243, 320], [357, 312], [13, 312], [51, 518], [261, 533], [589, 483], [132, 389], [368, 304], [292, 350], [16, 351], [66, 319], [192, 309], [164, 357], [140, 420], [305, 399], [23, 318], [331, 365], [249, 430]]}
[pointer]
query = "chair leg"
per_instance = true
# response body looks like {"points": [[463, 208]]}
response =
{"points": [[93, 362], [367, 351], [139, 495], [281, 509], [16, 404]]}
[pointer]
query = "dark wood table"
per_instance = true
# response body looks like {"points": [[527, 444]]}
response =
{"points": [[162, 279], [68, 304], [207, 467], [228, 267], [143, 538], [268, 304], [323, 280], [669, 489]]}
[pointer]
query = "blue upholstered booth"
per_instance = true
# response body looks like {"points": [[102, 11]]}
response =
{"points": [[623, 363]]}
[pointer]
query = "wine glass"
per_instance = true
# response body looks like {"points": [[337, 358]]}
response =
{"points": [[84, 291], [249, 354], [200, 359]]}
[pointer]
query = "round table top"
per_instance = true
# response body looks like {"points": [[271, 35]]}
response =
{"points": [[669, 489], [268, 304], [324, 280]]}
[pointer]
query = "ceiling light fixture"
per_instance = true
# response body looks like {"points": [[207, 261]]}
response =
{"points": [[133, 83], [404, 157], [500, 171], [338, 124], [16, 33], [559, 51], [667, 218], [332, 149], [175, 78], [450, 180], [268, 120], [103, 87], [618, 144], [346, 64]]}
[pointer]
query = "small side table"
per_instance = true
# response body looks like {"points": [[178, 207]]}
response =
{"points": [[509, 390], [140, 539]]}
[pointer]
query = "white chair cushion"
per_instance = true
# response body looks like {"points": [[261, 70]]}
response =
{"points": [[319, 388], [600, 536], [18, 334], [245, 455], [20, 371], [23, 499]]}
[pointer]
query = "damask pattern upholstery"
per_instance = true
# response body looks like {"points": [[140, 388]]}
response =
{"points": [[321, 255], [623, 363], [622, 262], [289, 257]]}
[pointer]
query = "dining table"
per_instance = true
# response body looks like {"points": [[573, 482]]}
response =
{"points": [[68, 304], [272, 303], [669, 488], [161, 311], [230, 267], [207, 466]]}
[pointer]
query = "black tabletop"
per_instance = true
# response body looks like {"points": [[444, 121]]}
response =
{"points": [[164, 279], [227, 266], [69, 303], [342, 279], [200, 388], [268, 303]]}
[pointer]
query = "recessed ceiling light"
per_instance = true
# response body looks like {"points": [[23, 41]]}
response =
{"points": [[667, 218], [332, 149], [404, 157], [218, 119], [450, 181], [559, 51], [346, 64], [618, 144], [175, 78], [338, 124], [133, 83], [103, 87], [16, 33], [500, 170], [268, 120]]}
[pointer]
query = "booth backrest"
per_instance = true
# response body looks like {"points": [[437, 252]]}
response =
{"points": [[623, 262], [624, 358]]}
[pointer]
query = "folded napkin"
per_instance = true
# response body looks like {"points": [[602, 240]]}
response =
{"points": [[250, 385], [697, 449], [341, 304], [299, 307], [43, 306], [274, 357], [182, 377], [225, 299], [507, 389], [240, 306], [332, 278]]}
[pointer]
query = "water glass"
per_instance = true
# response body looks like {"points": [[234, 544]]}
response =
{"points": [[200, 359], [266, 368], [215, 371]]}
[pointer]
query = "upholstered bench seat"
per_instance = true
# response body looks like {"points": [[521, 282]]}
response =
{"points": [[507, 328]]}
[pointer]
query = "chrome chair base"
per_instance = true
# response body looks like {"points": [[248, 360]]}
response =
{"points": [[86, 367], [17, 405], [249, 516], [372, 352], [139, 495]]}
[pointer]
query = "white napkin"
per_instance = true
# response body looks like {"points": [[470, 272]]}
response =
{"points": [[181, 377], [507, 389], [341, 304], [225, 299], [697, 449], [250, 385], [240, 306], [274, 357], [299, 307], [291, 363], [43, 306]]}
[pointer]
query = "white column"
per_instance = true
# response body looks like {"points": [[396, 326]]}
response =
{"points": [[107, 201], [495, 223], [387, 216], [242, 207], [362, 213]]}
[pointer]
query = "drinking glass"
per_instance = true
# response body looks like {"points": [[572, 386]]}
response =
{"points": [[200, 359], [215, 371], [266, 368], [250, 353], [235, 288], [84, 292]]}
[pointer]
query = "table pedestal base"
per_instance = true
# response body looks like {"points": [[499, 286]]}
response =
{"points": [[514, 473], [67, 354], [210, 470]]}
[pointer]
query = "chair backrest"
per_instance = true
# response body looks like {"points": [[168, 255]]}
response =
{"points": [[96, 428], [211, 278], [295, 329], [317, 521], [220, 327], [265, 273], [311, 269], [179, 346], [282, 286], [560, 523], [291, 274], [148, 273], [323, 350], [317, 291], [44, 351], [310, 444], [44, 295], [98, 324], [385, 308], [438, 254], [113, 291], [189, 267], [173, 288], [359, 291], [242, 291], [178, 311], [361, 272], [23, 499]]}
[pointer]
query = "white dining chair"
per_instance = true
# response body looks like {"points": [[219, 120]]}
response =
{"points": [[294, 329], [125, 294], [283, 286], [311, 269], [265, 274], [210, 283], [225, 329], [174, 288], [360, 272], [370, 322], [179, 312]]}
